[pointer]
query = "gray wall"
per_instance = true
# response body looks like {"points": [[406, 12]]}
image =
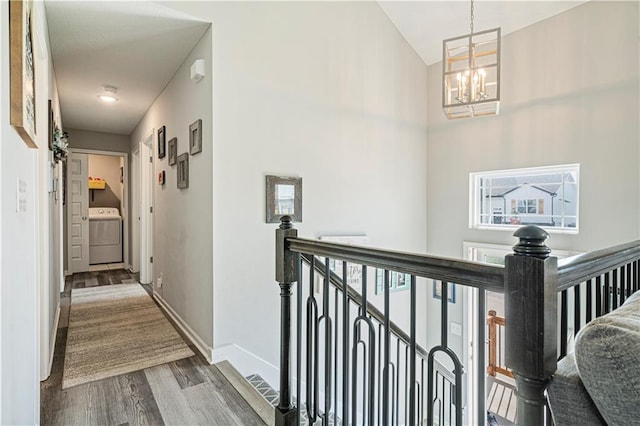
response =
{"points": [[570, 94], [330, 92], [98, 141], [182, 245]]}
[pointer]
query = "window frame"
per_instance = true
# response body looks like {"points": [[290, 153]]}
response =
{"points": [[475, 201]]}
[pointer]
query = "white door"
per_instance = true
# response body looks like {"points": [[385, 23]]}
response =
{"points": [[135, 210], [78, 213]]}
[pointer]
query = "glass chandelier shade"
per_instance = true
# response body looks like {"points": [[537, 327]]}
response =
{"points": [[471, 70]]}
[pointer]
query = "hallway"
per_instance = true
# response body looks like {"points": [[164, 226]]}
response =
{"points": [[188, 391]]}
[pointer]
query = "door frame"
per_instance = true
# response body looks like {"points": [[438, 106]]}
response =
{"points": [[146, 207], [125, 209], [135, 209]]}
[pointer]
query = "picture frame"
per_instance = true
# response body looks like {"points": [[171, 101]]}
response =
{"points": [[161, 178], [195, 137], [397, 281], [183, 170], [173, 151], [161, 142], [52, 127], [22, 71], [283, 198], [437, 291]]}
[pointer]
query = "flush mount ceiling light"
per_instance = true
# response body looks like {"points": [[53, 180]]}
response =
{"points": [[109, 94], [471, 70]]}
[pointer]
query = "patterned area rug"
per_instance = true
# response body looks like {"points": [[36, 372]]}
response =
{"points": [[116, 329]]}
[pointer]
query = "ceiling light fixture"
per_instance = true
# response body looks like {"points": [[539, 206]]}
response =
{"points": [[471, 70], [109, 94]]}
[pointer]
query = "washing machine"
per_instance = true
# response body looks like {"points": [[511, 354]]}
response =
{"points": [[105, 235]]}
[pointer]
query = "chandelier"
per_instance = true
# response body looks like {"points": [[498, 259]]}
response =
{"points": [[471, 70]]}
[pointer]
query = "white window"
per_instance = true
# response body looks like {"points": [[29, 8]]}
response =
{"points": [[542, 196]]}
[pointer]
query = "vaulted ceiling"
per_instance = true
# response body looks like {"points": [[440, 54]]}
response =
{"points": [[137, 46]]}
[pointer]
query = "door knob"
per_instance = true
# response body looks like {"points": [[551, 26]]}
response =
{"points": [[84, 218]]}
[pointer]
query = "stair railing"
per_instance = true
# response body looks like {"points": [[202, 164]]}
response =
{"points": [[361, 368], [495, 325]]}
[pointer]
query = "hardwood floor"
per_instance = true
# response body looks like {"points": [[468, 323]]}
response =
{"points": [[184, 392]]}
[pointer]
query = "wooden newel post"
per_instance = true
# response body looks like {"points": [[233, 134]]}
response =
{"points": [[286, 275], [531, 302]]}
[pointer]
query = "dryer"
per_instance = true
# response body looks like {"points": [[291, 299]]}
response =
{"points": [[105, 235]]}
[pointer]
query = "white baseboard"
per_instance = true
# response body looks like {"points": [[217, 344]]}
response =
{"points": [[247, 363], [197, 341]]}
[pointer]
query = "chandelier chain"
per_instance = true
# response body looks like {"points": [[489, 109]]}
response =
{"points": [[471, 25]]}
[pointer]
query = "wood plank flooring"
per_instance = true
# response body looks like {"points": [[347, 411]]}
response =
{"points": [[184, 392]]}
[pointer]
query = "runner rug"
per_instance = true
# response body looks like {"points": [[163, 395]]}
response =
{"points": [[116, 329]]}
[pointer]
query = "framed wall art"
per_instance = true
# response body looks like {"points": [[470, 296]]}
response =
{"points": [[22, 72], [397, 281], [195, 137], [451, 291], [173, 151], [284, 197], [161, 142], [183, 171]]}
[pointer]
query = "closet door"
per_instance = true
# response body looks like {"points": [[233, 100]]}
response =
{"points": [[78, 213]]}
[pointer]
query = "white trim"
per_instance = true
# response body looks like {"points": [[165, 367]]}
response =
{"points": [[197, 341], [247, 363], [54, 337]]}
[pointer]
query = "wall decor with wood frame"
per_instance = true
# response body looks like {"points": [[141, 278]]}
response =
{"points": [[195, 137], [183, 171], [173, 151], [162, 146], [284, 197], [22, 71]]}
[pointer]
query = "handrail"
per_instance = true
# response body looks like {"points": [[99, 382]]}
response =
{"points": [[472, 274], [577, 269], [374, 312]]}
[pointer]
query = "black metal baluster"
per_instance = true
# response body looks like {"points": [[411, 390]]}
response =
{"points": [[412, 365], [299, 344], [576, 309], [380, 371], [636, 275], [598, 296], [563, 324], [336, 321], [313, 342], [480, 361], [345, 344], [615, 292], [607, 294], [623, 281], [628, 274], [327, 344], [387, 353], [406, 383], [444, 313], [589, 305], [422, 399], [395, 402]]}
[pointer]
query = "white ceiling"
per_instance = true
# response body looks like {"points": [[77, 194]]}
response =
{"points": [[137, 46], [424, 24], [134, 46]]}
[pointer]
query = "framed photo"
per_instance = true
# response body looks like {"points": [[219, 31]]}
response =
{"points": [[195, 137], [161, 178], [161, 142], [22, 72], [437, 291], [173, 151], [284, 197], [183, 170], [51, 127], [397, 281]]}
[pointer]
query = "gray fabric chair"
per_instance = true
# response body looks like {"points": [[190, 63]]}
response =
{"points": [[600, 383]]}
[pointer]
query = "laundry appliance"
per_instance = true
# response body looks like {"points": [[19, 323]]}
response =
{"points": [[105, 235]]}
